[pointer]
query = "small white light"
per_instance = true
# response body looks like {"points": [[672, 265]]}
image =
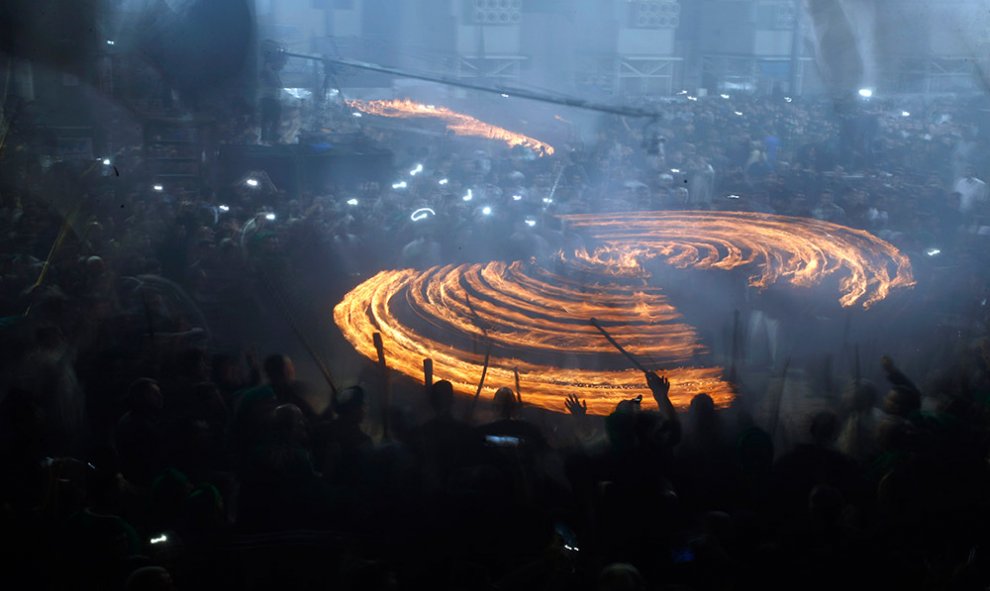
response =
{"points": [[682, 92], [352, 201], [159, 540], [787, 99], [505, 95], [106, 162], [468, 196], [223, 208], [692, 98], [905, 114], [421, 214], [530, 222], [270, 217], [933, 251], [675, 170], [866, 92], [486, 210], [725, 96], [356, 114], [738, 113], [416, 170], [442, 182], [517, 197], [400, 185], [732, 196], [158, 188], [547, 200], [251, 182], [110, 42]]}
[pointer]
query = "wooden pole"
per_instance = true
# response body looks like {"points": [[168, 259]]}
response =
{"points": [[515, 372], [283, 307], [427, 373], [635, 362], [383, 366], [481, 382]]}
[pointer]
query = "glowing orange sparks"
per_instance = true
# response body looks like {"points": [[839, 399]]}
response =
{"points": [[459, 123], [538, 323], [802, 251]]}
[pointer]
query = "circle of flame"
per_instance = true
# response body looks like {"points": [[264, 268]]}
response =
{"points": [[530, 313]]}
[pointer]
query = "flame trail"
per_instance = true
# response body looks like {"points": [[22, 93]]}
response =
{"points": [[537, 320], [802, 251], [459, 123]]}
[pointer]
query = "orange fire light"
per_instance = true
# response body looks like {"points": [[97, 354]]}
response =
{"points": [[802, 251], [459, 123], [538, 321]]}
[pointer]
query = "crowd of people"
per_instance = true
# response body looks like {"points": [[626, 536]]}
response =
{"points": [[154, 434]]}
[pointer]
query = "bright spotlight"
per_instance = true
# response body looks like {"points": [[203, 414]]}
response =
{"points": [[352, 201], [866, 92], [933, 252], [517, 197], [468, 196], [416, 170], [224, 208], [106, 162], [442, 182], [675, 170], [725, 96], [486, 210], [270, 217], [738, 113], [788, 99], [732, 196], [251, 182], [421, 214], [111, 42], [158, 188], [356, 114], [548, 200], [692, 98], [400, 185], [505, 95], [530, 222], [159, 540], [905, 114]]}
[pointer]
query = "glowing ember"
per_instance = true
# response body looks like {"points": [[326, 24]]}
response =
{"points": [[459, 123], [538, 323], [799, 250]]}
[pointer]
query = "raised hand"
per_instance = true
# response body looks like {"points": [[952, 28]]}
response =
{"points": [[575, 406], [659, 385]]}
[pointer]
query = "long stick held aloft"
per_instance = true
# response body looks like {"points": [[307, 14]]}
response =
{"points": [[383, 365], [628, 355], [427, 372]]}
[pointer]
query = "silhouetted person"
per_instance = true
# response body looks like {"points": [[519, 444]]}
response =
{"points": [[345, 446], [510, 426], [280, 372], [444, 444]]}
